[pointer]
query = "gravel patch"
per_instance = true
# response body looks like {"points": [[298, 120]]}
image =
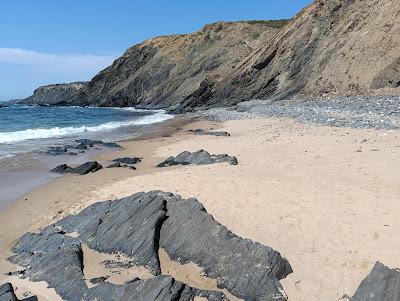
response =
{"points": [[367, 112]]}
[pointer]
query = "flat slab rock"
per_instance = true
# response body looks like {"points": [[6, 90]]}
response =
{"points": [[136, 227], [80, 170], [7, 294], [209, 133], [381, 284], [200, 157]]}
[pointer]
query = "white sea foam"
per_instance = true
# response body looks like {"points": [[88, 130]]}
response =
{"points": [[29, 134], [5, 156]]}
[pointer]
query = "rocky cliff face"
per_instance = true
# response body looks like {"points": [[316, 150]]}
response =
{"points": [[162, 72], [59, 94], [334, 47]]}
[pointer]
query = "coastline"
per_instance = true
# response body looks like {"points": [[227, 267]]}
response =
{"points": [[324, 197], [32, 170]]}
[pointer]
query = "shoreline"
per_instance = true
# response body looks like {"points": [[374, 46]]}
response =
{"points": [[32, 170], [324, 197]]}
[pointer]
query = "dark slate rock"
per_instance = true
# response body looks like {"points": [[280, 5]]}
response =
{"points": [[382, 284], [53, 257], [127, 160], [90, 143], [63, 168], [130, 226], [203, 132], [98, 280], [247, 269], [81, 169], [114, 165], [7, 293], [56, 150], [200, 157], [137, 226]]}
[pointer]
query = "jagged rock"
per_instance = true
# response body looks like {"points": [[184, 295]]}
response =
{"points": [[81, 169], [247, 269], [200, 157], [7, 294], [57, 259], [127, 160], [203, 132], [381, 284], [137, 226], [63, 168], [86, 168]]}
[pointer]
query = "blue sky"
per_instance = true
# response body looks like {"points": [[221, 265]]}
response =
{"points": [[51, 41]]}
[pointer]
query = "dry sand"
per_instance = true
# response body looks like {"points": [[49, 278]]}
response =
{"points": [[326, 198]]}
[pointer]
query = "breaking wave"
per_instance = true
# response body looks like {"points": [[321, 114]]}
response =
{"points": [[42, 133]]}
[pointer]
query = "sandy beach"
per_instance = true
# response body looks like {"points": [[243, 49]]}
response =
{"points": [[326, 198]]}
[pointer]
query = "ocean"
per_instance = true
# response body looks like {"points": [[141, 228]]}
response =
{"points": [[27, 132], [34, 128]]}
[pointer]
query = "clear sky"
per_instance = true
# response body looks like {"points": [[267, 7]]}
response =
{"points": [[52, 41]]}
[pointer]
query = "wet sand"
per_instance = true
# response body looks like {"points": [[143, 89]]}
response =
{"points": [[325, 198]]}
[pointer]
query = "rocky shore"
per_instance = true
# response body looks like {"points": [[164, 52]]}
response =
{"points": [[364, 112]]}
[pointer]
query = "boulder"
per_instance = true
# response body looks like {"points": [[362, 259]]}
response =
{"points": [[200, 157], [381, 284], [137, 226], [81, 169], [128, 160]]}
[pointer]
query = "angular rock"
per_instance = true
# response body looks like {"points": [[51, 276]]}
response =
{"points": [[7, 294], [203, 132], [81, 169], [137, 226], [200, 157], [247, 269], [53, 257], [128, 160], [86, 168], [63, 168], [381, 284], [130, 226]]}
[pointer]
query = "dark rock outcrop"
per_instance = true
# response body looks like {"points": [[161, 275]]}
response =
{"points": [[203, 132], [7, 294], [81, 169], [128, 160], [382, 284], [137, 226], [200, 157], [82, 146], [58, 94], [247, 269]]}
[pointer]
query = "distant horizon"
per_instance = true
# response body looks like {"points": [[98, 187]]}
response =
{"points": [[55, 43]]}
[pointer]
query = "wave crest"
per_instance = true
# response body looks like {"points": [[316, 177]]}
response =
{"points": [[30, 134]]}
